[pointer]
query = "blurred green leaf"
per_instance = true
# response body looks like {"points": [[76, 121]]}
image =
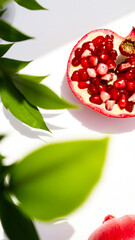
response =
{"points": [[2, 11], [15, 224], [12, 65], [1, 137], [4, 48], [54, 180], [40, 95], [36, 79], [2, 2], [14, 101], [11, 34], [31, 4]]}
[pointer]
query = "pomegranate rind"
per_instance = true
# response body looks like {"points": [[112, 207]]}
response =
{"points": [[81, 93]]}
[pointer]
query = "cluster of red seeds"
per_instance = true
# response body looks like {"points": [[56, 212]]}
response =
{"points": [[97, 67]]}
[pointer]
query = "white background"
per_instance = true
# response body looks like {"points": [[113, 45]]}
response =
{"points": [[56, 31]]}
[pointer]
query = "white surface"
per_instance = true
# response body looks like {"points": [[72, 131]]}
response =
{"points": [[56, 32]]}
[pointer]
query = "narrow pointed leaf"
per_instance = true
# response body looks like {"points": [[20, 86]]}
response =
{"points": [[11, 65], [1, 137], [11, 34], [4, 48], [2, 11], [15, 224], [36, 79], [40, 95], [16, 103], [54, 180], [2, 2], [31, 4]]}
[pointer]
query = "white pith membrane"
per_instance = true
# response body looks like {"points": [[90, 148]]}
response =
{"points": [[82, 94]]}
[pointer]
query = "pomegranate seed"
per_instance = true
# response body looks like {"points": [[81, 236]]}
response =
{"points": [[102, 87], [82, 85], [92, 89], [101, 49], [112, 54], [86, 53], [108, 38], [75, 62], [102, 69], [131, 60], [91, 72], [91, 46], [107, 77], [111, 64], [98, 41], [75, 76], [78, 52], [132, 98], [83, 74], [96, 99], [93, 61], [109, 46], [129, 107], [103, 57], [86, 45], [130, 85], [84, 62], [109, 106], [122, 101], [95, 80], [120, 83], [115, 93], [132, 70], [105, 96], [129, 75], [124, 66], [124, 91]]}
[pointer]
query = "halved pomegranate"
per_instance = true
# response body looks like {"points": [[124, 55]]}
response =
{"points": [[122, 228], [101, 72]]}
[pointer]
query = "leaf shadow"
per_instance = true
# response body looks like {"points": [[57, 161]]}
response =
{"points": [[93, 120], [58, 231]]}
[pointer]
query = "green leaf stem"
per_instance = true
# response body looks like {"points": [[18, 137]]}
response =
{"points": [[40, 95], [15, 224], [14, 101], [54, 180], [11, 34], [31, 4]]}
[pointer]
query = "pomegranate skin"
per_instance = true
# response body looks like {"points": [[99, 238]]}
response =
{"points": [[122, 228], [117, 113]]}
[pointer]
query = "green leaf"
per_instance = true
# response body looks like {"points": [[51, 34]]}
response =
{"points": [[12, 65], [1, 137], [36, 79], [16, 103], [15, 224], [2, 2], [31, 4], [40, 95], [11, 34], [2, 11], [4, 48], [54, 180]]}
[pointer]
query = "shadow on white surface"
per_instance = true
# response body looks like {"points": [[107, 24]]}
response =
{"points": [[93, 120]]}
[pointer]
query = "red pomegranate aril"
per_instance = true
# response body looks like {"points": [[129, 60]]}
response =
{"points": [[75, 76], [131, 60], [101, 49], [92, 89], [83, 85], [83, 74], [75, 62], [93, 61], [112, 54], [102, 69], [107, 77], [109, 46], [132, 98], [109, 106], [78, 52], [102, 87], [129, 75], [120, 83], [84, 62], [91, 72], [103, 57], [86, 53], [115, 93], [95, 80], [96, 99], [108, 217], [130, 85], [108, 38], [132, 70], [111, 64], [124, 66], [105, 96], [129, 107], [86, 45], [122, 101], [98, 41]]}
